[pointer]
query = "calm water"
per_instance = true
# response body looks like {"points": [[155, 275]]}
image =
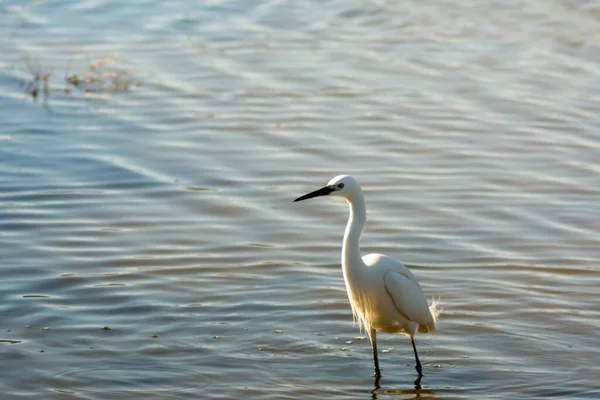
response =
{"points": [[150, 248]]}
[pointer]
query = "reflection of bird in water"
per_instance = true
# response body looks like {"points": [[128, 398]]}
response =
{"points": [[385, 295], [414, 393]]}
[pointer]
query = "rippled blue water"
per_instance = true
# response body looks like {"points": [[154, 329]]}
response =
{"points": [[150, 151]]}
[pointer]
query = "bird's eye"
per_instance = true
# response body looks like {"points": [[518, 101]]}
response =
{"points": [[340, 186]]}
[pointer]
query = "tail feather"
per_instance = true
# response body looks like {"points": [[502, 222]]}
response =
{"points": [[435, 309]]}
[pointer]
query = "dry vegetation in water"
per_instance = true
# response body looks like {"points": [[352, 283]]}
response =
{"points": [[39, 80], [103, 75]]}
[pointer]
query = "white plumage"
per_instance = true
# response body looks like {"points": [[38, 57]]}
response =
{"points": [[385, 296]]}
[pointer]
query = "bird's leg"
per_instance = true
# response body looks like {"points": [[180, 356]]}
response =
{"points": [[418, 366], [373, 337], [417, 382], [375, 389]]}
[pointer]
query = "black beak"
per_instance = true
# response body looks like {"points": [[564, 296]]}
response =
{"points": [[321, 192]]}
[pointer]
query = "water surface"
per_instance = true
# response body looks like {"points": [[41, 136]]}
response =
{"points": [[150, 246]]}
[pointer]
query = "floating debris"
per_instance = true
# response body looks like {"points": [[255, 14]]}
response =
{"points": [[386, 350], [107, 328], [320, 334], [348, 342], [10, 341], [360, 337], [216, 337], [155, 336], [278, 331], [45, 328], [197, 188], [65, 391], [260, 245]]}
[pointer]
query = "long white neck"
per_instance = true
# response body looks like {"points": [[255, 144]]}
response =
{"points": [[351, 258]]}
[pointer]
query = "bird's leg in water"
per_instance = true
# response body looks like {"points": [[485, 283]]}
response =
{"points": [[418, 366], [375, 389], [418, 382], [373, 337]]}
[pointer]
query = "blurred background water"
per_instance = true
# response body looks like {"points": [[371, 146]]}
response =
{"points": [[150, 152]]}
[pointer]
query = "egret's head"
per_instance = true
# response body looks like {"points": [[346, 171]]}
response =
{"points": [[342, 185]]}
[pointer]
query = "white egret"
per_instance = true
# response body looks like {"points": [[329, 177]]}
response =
{"points": [[384, 295]]}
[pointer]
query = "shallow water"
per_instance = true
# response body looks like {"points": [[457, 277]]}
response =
{"points": [[150, 248]]}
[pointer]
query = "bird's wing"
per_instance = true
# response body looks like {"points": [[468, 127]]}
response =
{"points": [[389, 264], [408, 298]]}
